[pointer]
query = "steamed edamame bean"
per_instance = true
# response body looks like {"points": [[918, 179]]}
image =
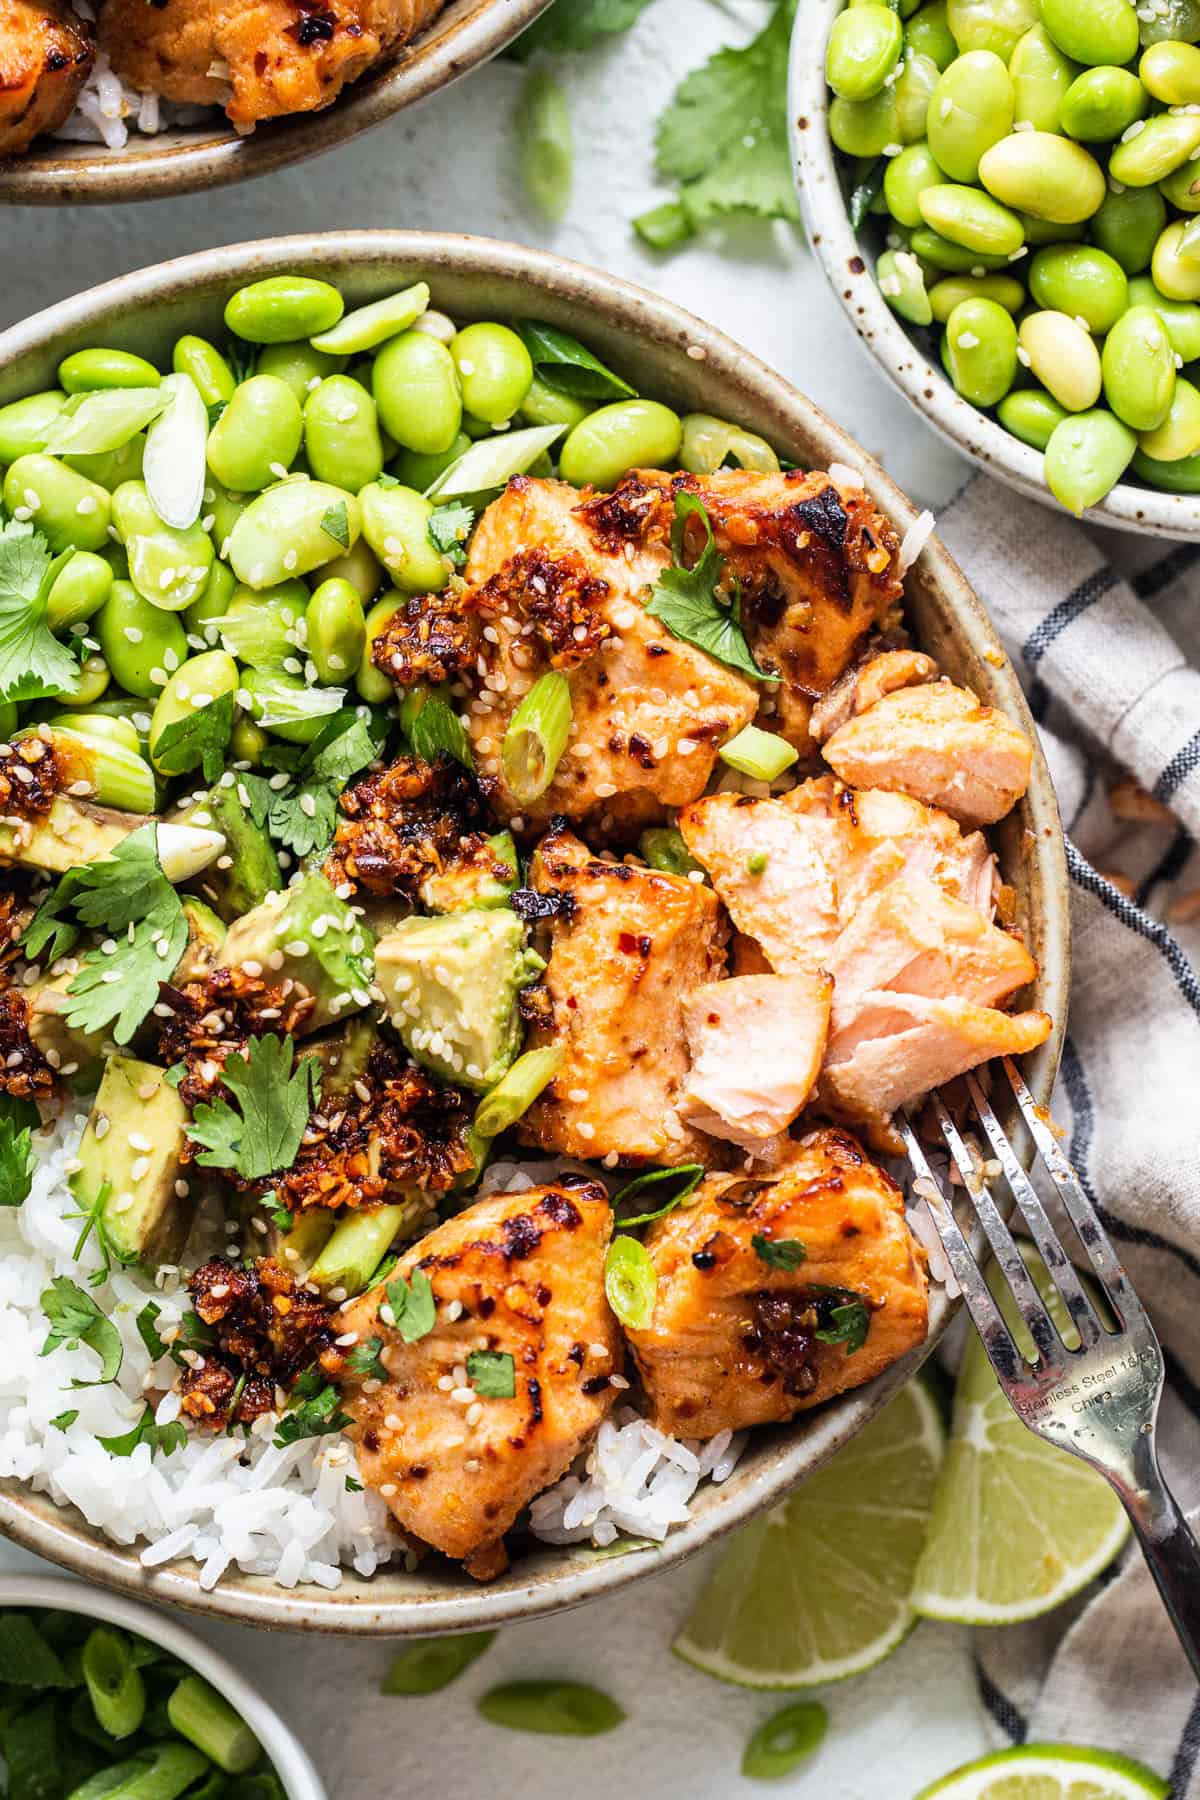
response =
{"points": [[1093, 31], [912, 91], [1162, 145], [1050, 177], [1128, 224], [864, 47], [927, 33], [282, 308], [91, 682], [900, 281], [71, 512], [494, 367], [981, 351], [280, 703], [1031, 414], [203, 362], [974, 220], [255, 440], [417, 470], [904, 179], [1087, 454], [290, 529], [1181, 188], [360, 567], [395, 524], [1138, 366], [262, 629], [80, 589], [970, 110], [1181, 317], [167, 566], [1171, 72], [1041, 76], [1175, 275], [416, 388], [373, 685], [141, 643], [1081, 281], [195, 684], [865, 127], [248, 741], [945, 295], [202, 618], [341, 433], [1102, 103], [1177, 436], [1182, 477], [996, 25], [628, 434], [544, 405], [88, 370], [25, 424], [931, 247], [109, 468], [298, 365], [1063, 357], [336, 630]]}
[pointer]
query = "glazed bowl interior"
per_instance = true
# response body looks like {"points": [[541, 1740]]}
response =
{"points": [[908, 354], [182, 160], [672, 355], [53, 1593]]}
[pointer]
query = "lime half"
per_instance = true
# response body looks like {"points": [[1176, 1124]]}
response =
{"points": [[1018, 1526], [818, 1588], [1050, 1772]]}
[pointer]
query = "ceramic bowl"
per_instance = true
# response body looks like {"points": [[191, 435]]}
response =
{"points": [[182, 160], [59, 1594], [907, 355], [674, 356]]}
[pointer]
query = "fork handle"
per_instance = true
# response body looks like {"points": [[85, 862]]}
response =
{"points": [[1170, 1548]]}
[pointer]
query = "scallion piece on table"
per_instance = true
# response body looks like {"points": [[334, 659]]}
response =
{"points": [[784, 1740], [763, 754], [563, 1708], [429, 1664], [547, 144], [114, 1684], [516, 1091], [206, 1719], [665, 227], [536, 738], [630, 1283]]}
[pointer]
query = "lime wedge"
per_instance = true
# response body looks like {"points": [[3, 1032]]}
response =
{"points": [[1050, 1772], [1018, 1526], [818, 1588]]}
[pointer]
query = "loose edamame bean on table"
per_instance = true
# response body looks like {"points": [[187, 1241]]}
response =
{"points": [[1056, 183]]}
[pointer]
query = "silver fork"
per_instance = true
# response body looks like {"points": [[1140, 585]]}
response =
{"points": [[1099, 1401]]}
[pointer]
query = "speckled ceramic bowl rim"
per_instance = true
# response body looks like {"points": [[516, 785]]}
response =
{"points": [[921, 382], [57, 1593], [467, 33], [698, 368]]}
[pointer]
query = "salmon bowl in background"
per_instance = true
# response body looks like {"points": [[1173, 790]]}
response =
{"points": [[121, 144], [665, 352], [908, 355]]}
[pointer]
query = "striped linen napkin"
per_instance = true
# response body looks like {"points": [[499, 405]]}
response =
{"points": [[1104, 629]]}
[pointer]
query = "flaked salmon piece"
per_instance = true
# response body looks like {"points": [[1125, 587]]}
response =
{"points": [[774, 869], [866, 682], [816, 567], [939, 745], [734, 1340], [756, 1045], [518, 1280], [626, 948], [902, 1045]]}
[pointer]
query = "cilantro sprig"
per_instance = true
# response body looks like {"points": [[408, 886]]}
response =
{"points": [[75, 1319], [844, 1318], [687, 598], [17, 1120], [261, 1131], [166, 1438], [32, 661], [197, 741], [778, 1253], [315, 1414], [302, 816], [410, 1307]]}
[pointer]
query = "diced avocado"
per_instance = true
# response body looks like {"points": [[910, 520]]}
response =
{"points": [[252, 871], [206, 934], [295, 1247], [487, 882], [76, 1054], [360, 1241], [451, 986], [72, 832], [133, 1142], [326, 948], [344, 1053]]}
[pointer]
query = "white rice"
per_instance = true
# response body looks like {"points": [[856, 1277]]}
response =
{"points": [[108, 109], [914, 541]]}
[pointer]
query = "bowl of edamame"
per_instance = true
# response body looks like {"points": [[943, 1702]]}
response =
{"points": [[213, 451], [126, 1703], [1005, 196]]}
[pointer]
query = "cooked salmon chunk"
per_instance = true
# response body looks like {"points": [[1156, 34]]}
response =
{"points": [[627, 946], [866, 682], [45, 57], [508, 1382], [936, 743], [259, 59], [815, 566], [756, 1044], [774, 870], [776, 1293]]}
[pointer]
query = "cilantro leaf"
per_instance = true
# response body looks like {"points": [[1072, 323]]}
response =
{"points": [[364, 1359], [342, 747], [32, 661], [352, 1486], [690, 1174], [146, 1323], [577, 25], [449, 528], [316, 1417], [565, 364], [303, 816], [778, 1253], [273, 1102], [437, 727], [303, 819], [124, 886], [724, 135], [48, 934], [123, 986], [335, 522], [76, 1319], [492, 1373], [685, 599], [412, 1306], [16, 1161], [845, 1318], [198, 740], [166, 1438], [63, 1419]]}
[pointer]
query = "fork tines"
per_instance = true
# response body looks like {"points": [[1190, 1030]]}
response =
{"points": [[1051, 1349]]}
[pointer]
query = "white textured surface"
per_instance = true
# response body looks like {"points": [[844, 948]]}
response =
{"points": [[451, 166]]}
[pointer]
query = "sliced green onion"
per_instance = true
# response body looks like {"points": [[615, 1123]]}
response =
{"points": [[172, 1769], [690, 1174], [516, 1091], [762, 754], [93, 424], [547, 144], [784, 1740], [174, 464], [564, 1708], [630, 1282], [493, 461], [663, 848], [368, 326], [536, 737], [106, 1783], [436, 727], [665, 227], [206, 1719], [116, 1689], [357, 1246], [429, 1664]]}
